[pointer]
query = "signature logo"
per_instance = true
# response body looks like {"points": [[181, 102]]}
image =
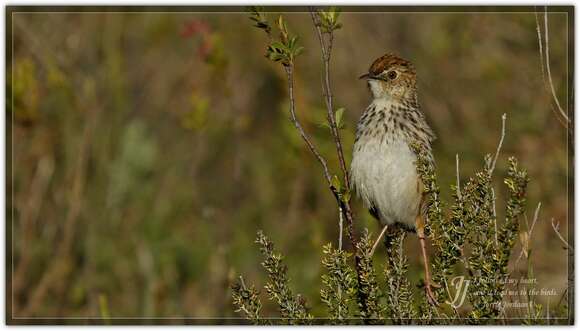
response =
{"points": [[461, 286]]}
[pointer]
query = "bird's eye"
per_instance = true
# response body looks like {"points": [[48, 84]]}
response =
{"points": [[392, 74]]}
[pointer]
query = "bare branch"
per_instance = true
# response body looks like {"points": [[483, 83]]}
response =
{"points": [[344, 206], [503, 119], [340, 224], [546, 36], [316, 21], [326, 48], [536, 215], [556, 228], [458, 184], [494, 216], [290, 77], [326, 51], [491, 169], [549, 87], [342, 198], [379, 239]]}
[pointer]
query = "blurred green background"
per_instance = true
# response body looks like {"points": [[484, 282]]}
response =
{"points": [[148, 148]]}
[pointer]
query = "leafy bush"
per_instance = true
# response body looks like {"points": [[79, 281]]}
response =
{"points": [[362, 298], [472, 246]]}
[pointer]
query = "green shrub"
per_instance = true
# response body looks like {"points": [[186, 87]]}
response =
{"points": [[472, 247]]}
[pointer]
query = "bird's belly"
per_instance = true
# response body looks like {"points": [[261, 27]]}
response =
{"points": [[385, 177]]}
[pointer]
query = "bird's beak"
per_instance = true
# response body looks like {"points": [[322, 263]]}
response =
{"points": [[369, 76]]}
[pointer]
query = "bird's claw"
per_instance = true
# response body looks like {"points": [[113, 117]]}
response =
{"points": [[430, 295]]}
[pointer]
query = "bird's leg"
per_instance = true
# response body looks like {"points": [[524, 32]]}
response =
{"points": [[420, 227]]}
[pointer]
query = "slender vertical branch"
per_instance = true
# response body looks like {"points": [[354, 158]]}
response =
{"points": [[290, 77], [560, 115], [343, 203], [528, 237], [503, 118], [556, 228], [340, 227], [285, 51], [493, 209], [547, 49], [457, 182], [326, 49]]}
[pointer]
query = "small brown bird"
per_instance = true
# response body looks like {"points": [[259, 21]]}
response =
{"points": [[383, 170]]}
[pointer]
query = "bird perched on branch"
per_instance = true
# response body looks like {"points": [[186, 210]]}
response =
{"points": [[383, 170]]}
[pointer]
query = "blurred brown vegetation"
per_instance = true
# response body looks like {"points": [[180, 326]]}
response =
{"points": [[148, 148]]}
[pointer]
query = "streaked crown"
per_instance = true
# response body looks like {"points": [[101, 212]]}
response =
{"points": [[391, 76], [391, 61]]}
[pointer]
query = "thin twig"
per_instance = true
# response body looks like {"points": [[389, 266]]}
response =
{"points": [[326, 48], [546, 85], [340, 221], [492, 168], [539, 32], [458, 184], [379, 239], [556, 228], [494, 216], [290, 77], [344, 206], [536, 215], [503, 119], [547, 49], [316, 21]]}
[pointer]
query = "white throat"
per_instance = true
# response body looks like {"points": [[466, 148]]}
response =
{"points": [[383, 103]]}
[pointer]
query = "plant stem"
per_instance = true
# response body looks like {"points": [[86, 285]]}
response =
{"points": [[345, 207], [326, 49], [290, 77]]}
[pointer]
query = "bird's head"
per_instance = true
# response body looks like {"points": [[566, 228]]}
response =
{"points": [[392, 77]]}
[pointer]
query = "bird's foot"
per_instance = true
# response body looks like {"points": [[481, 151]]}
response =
{"points": [[429, 293]]}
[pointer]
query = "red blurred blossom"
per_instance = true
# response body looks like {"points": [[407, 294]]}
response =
{"points": [[198, 28], [195, 27], [205, 49]]}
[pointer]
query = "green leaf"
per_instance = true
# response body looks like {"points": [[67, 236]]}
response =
{"points": [[324, 125], [281, 23], [335, 182], [298, 51], [338, 117], [278, 45], [292, 42], [335, 13], [346, 196]]}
